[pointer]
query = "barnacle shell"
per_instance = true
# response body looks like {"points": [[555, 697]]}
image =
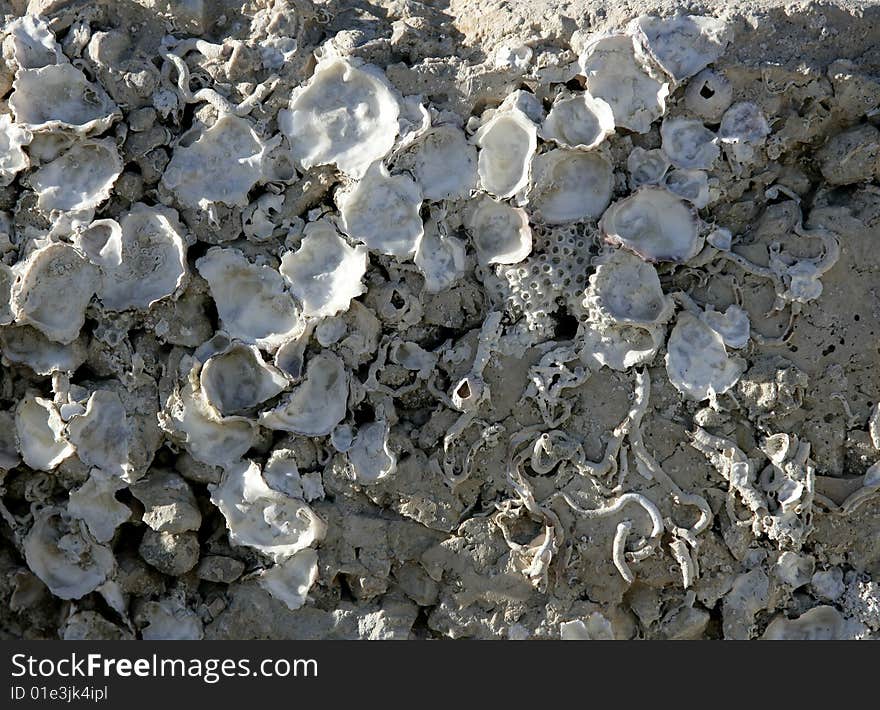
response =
{"points": [[689, 144], [684, 44], [440, 257], [235, 379], [59, 97], [252, 301], [507, 140], [617, 72], [345, 115], [697, 361], [291, 579], [578, 121], [443, 162], [80, 178], [382, 211], [142, 260], [626, 289], [325, 272], [63, 554], [316, 405], [569, 185], [221, 165], [12, 158], [40, 433], [653, 223], [50, 270], [260, 517], [501, 233]]}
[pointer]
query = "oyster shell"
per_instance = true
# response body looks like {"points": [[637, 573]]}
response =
{"points": [[443, 162], [578, 121], [646, 167], [507, 140], [570, 186], [325, 273], [290, 580], [81, 178], [369, 454], [30, 44], [501, 233], [617, 71], [13, 159], [690, 185], [653, 223], [94, 502], [689, 144], [626, 290], [24, 345], [101, 433], [383, 212], [235, 380], [40, 434], [440, 257], [684, 44], [345, 115]]}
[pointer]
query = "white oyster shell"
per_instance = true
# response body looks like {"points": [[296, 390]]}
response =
{"points": [[743, 128], [94, 502], [101, 433], [619, 347], [236, 380], [40, 434], [690, 185], [443, 162], [30, 44], [708, 95], [733, 325], [617, 71], [13, 159], [570, 185], [59, 97], [507, 140], [369, 454], [252, 301], [441, 258], [325, 273], [142, 259], [683, 44], [289, 581], [382, 211], [25, 345], [345, 115], [81, 178], [626, 290], [501, 233], [823, 622], [221, 165], [578, 121], [653, 223], [50, 270], [689, 144], [316, 405], [62, 553], [646, 167], [697, 362], [260, 517]]}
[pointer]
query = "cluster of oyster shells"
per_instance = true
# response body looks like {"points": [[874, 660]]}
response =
{"points": [[229, 296]]}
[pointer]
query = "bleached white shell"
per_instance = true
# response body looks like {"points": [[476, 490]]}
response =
{"points": [[262, 518], [683, 44], [733, 325], [619, 347], [236, 380], [369, 454], [48, 271], [819, 623], [316, 405], [501, 233], [653, 223], [30, 44], [207, 438], [101, 433], [626, 290], [570, 185], [646, 167], [81, 178], [440, 257], [252, 301], [40, 433], [697, 361], [708, 95], [169, 620], [13, 158], [443, 162], [507, 142], [690, 185], [578, 121], [142, 259], [94, 502], [689, 144], [345, 115], [616, 71], [25, 345], [62, 553], [325, 272], [743, 127], [289, 581], [382, 211], [59, 97], [221, 165], [7, 278]]}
